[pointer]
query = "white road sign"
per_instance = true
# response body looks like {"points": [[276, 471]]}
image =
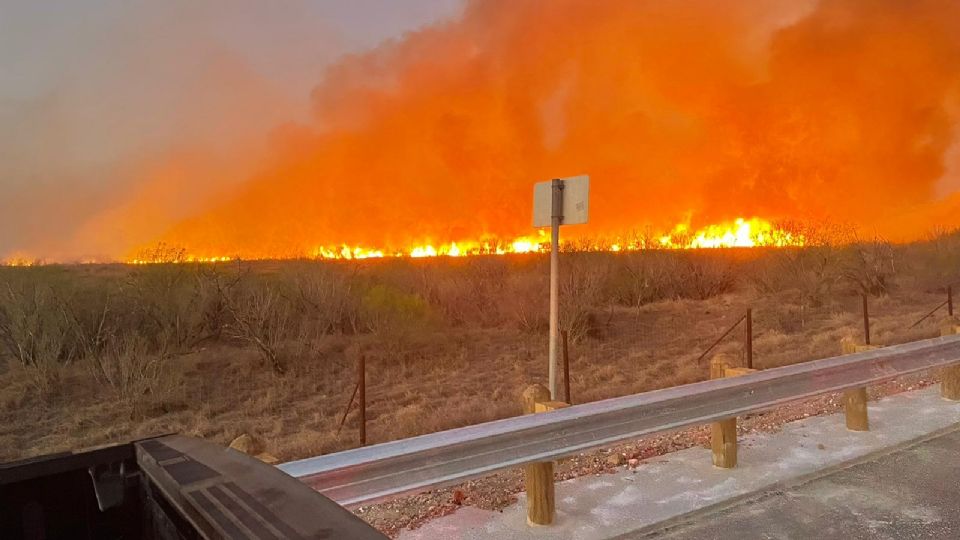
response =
{"points": [[576, 190]]}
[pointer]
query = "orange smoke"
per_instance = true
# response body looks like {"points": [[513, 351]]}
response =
{"points": [[694, 112]]}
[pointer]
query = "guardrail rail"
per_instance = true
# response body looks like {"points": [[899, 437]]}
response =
{"points": [[382, 471]]}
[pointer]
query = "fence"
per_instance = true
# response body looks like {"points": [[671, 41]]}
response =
{"points": [[650, 348]]}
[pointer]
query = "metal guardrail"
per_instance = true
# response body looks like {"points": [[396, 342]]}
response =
{"points": [[373, 473]]}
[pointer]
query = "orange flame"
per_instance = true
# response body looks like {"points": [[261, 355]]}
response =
{"points": [[740, 233]]}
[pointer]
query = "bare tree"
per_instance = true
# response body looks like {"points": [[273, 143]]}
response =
{"points": [[261, 318]]}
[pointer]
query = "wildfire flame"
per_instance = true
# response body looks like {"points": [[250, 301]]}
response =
{"points": [[740, 233]]}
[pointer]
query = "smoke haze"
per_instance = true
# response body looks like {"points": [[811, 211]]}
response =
{"points": [[702, 110]]}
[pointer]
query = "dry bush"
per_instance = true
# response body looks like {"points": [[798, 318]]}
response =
{"points": [[33, 330], [327, 298], [137, 376], [526, 301], [868, 267], [214, 287], [165, 300], [935, 263], [472, 294], [641, 278], [814, 272], [260, 317], [700, 276], [581, 291], [388, 310]]}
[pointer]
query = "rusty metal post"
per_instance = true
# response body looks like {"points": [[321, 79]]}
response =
{"points": [[866, 321], [748, 342], [566, 369], [362, 385], [950, 300], [556, 220]]}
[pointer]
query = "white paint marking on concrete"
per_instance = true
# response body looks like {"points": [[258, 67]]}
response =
{"points": [[593, 507]]}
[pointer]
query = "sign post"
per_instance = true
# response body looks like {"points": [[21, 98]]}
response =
{"points": [[558, 202]]}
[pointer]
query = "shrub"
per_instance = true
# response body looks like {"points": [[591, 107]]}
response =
{"points": [[260, 317], [166, 299], [327, 298], [581, 291], [33, 329], [385, 308], [641, 278], [471, 292], [812, 271], [868, 267], [126, 366], [700, 276], [526, 301]]}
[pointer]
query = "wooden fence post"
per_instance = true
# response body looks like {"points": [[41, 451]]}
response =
{"points": [[538, 477]]}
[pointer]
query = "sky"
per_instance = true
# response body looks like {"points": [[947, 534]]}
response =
{"points": [[93, 90]]}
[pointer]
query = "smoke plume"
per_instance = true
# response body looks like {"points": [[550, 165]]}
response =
{"points": [[696, 110]]}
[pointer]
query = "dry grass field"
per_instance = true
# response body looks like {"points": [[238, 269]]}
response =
{"points": [[100, 353]]}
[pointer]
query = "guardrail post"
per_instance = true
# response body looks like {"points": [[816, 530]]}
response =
{"points": [[723, 434], [950, 376], [855, 399], [950, 326], [855, 408], [538, 477]]}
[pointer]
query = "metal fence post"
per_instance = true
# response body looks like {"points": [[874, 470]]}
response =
{"points": [[866, 321], [950, 300], [362, 385], [566, 370]]}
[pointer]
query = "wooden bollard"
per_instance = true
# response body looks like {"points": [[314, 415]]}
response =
{"points": [[855, 399], [723, 434], [950, 376], [950, 326], [538, 477], [950, 383], [855, 408]]}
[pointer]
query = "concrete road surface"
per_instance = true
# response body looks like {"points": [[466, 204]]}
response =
{"points": [[911, 492]]}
